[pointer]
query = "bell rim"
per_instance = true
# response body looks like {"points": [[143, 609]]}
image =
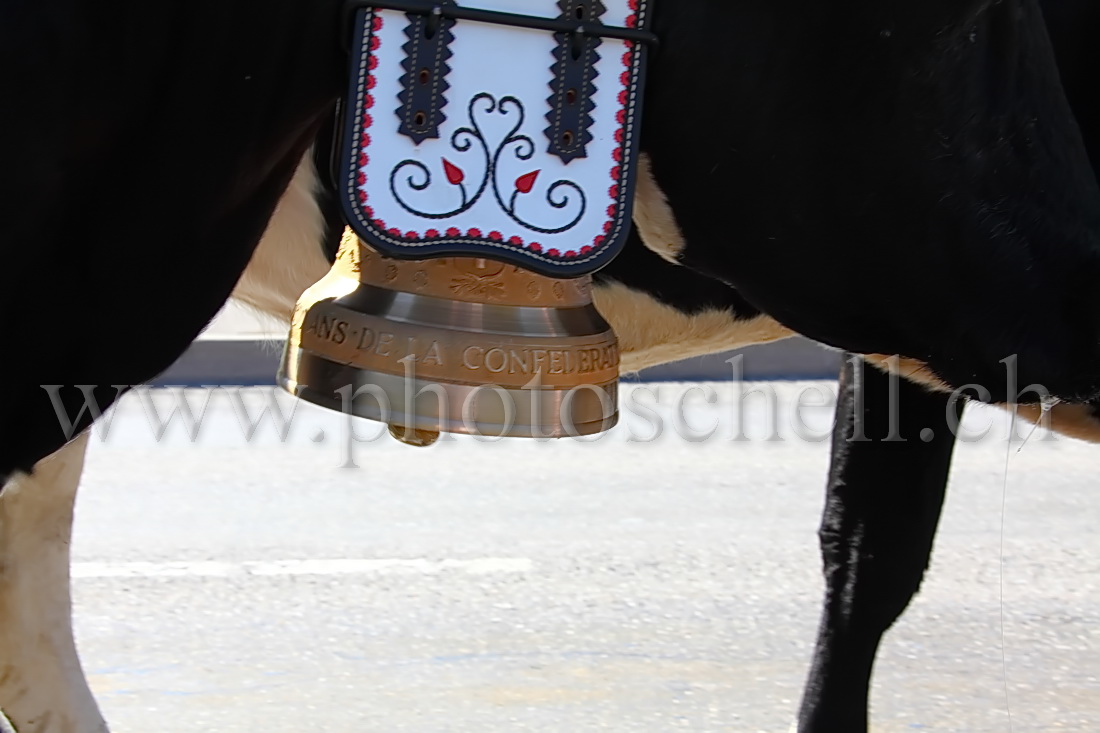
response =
{"points": [[369, 410]]}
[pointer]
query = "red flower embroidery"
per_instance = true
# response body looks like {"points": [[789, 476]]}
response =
{"points": [[525, 183], [454, 174]]}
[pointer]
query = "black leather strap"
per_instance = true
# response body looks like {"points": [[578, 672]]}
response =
{"points": [[573, 85], [424, 82]]}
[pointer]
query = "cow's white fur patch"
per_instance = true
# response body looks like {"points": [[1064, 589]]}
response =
{"points": [[1074, 421], [42, 685], [652, 333], [653, 216], [913, 370], [289, 258]]}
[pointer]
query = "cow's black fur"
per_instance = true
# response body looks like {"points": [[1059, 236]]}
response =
{"points": [[684, 289], [887, 177], [884, 497], [1072, 26], [145, 147], [883, 504]]}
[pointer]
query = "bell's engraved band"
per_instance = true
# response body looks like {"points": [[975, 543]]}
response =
{"points": [[384, 345]]}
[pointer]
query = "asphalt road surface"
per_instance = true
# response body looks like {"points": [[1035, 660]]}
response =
{"points": [[651, 580]]}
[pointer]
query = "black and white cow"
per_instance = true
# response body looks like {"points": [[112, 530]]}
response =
{"points": [[887, 178]]}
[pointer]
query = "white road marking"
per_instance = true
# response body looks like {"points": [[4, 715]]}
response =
{"points": [[480, 566]]}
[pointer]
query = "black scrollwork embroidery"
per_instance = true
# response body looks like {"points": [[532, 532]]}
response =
{"points": [[525, 150], [419, 178], [561, 194]]}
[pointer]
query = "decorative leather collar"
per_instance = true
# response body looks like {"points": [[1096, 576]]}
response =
{"points": [[503, 129]]}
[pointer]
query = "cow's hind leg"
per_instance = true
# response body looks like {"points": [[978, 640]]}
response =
{"points": [[42, 685], [885, 492]]}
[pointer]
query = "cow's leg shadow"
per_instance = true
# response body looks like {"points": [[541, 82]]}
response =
{"points": [[885, 492], [42, 684]]}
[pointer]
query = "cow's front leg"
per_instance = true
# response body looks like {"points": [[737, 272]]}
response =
{"points": [[886, 488], [42, 685]]}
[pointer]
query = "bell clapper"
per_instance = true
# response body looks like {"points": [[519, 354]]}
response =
{"points": [[415, 438]]}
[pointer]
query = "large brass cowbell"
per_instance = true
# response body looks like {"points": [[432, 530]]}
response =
{"points": [[457, 345], [486, 166]]}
